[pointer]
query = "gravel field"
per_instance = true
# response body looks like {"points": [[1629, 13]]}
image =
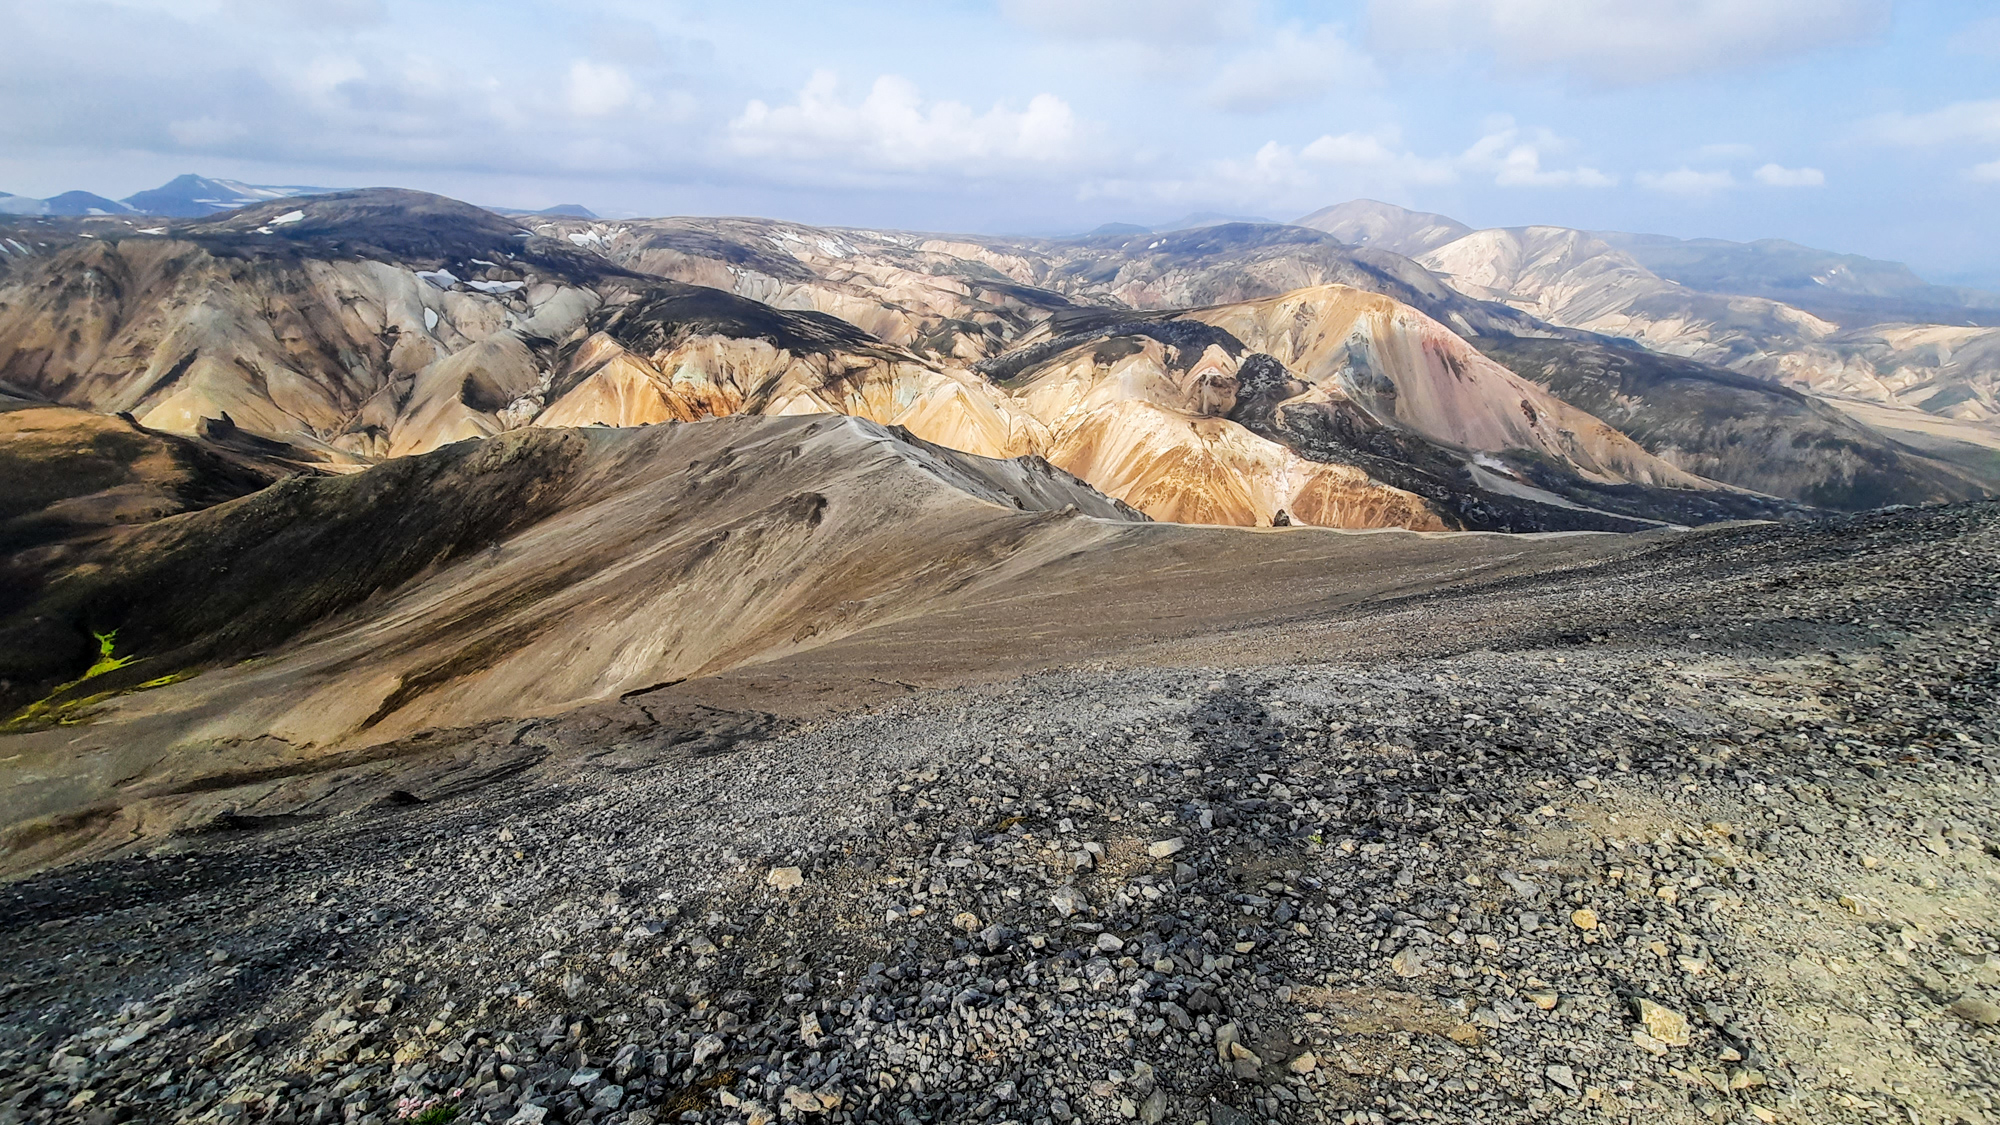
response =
{"points": [[1707, 833]]}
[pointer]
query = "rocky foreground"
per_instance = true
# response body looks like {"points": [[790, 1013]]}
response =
{"points": [[1706, 835]]}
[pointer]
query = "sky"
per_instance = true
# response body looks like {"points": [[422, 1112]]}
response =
{"points": [[1864, 126]]}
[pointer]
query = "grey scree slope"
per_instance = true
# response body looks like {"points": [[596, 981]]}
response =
{"points": [[1705, 834]]}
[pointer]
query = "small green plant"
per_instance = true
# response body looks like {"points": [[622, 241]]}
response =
{"points": [[62, 707], [106, 662]]}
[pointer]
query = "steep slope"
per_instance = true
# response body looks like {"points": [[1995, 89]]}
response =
{"points": [[1571, 278], [683, 352], [71, 472], [1755, 308], [1309, 403], [535, 570], [362, 324], [1143, 408], [1385, 226], [1578, 280], [1736, 428], [990, 302], [965, 298]]}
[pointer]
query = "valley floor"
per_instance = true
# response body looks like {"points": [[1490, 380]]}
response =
{"points": [[1703, 830]]}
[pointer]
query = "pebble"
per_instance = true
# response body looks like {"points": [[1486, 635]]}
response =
{"points": [[1360, 920]]}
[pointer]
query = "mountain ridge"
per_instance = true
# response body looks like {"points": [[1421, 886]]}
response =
{"points": [[1748, 307], [355, 326]]}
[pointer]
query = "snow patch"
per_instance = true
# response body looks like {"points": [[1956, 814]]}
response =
{"points": [[287, 217], [494, 286], [443, 279], [152, 230], [430, 320]]}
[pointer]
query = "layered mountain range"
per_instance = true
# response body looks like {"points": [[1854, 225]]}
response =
{"points": [[1236, 373], [1842, 326], [186, 196], [296, 483], [192, 196]]}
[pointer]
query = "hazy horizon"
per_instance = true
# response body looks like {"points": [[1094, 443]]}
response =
{"points": [[1861, 126]]}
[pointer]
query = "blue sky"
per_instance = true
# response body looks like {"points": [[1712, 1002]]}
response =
{"points": [[1870, 126]]}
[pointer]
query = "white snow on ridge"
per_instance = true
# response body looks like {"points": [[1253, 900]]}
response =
{"points": [[495, 286], [288, 217]]}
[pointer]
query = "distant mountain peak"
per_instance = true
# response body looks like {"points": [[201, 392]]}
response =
{"points": [[189, 196], [559, 211], [1385, 226]]}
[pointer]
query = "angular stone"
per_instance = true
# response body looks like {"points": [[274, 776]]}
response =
{"points": [[1663, 1023], [786, 878], [1408, 962], [1973, 1009]]}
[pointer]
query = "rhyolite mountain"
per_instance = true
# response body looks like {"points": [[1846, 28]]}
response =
{"points": [[1222, 374], [1843, 326]]}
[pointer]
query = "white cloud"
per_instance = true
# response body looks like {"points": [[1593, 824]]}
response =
{"points": [[1986, 173], [1687, 182], [1166, 22], [1281, 177], [196, 80], [1295, 66], [1515, 160], [1344, 157], [597, 89], [895, 129], [1958, 123], [1777, 175], [1621, 43]]}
